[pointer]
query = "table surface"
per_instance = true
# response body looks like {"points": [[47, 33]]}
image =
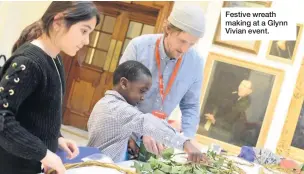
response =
{"points": [[86, 151], [126, 164]]}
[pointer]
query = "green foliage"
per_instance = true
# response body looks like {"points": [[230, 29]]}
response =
{"points": [[215, 164]]}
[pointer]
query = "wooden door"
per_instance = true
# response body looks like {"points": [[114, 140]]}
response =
{"points": [[89, 74]]}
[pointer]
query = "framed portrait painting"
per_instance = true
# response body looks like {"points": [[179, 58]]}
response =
{"points": [[285, 50], [247, 46], [291, 143], [237, 103]]}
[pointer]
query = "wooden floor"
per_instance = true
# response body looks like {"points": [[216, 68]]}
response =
{"points": [[78, 135]]}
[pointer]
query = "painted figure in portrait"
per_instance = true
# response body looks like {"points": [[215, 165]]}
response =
{"points": [[235, 104], [284, 48]]}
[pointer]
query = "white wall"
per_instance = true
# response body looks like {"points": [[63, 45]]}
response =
{"points": [[205, 46], [14, 17]]}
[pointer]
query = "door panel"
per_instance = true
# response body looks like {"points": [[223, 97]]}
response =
{"points": [[80, 101]]}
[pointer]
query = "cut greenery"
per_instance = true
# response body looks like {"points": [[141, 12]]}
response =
{"points": [[169, 164]]}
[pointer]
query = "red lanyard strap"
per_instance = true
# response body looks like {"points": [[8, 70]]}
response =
{"points": [[160, 76]]}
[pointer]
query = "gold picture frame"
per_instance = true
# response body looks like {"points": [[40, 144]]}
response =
{"points": [[289, 55], [246, 46], [285, 147], [215, 59]]}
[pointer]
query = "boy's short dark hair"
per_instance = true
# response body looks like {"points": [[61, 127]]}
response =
{"points": [[130, 70]]}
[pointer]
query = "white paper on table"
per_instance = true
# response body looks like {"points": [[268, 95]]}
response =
{"points": [[98, 157]]}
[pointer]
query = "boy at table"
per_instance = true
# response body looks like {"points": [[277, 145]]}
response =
{"points": [[115, 117]]}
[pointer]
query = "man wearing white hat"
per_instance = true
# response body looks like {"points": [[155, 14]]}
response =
{"points": [[176, 67]]}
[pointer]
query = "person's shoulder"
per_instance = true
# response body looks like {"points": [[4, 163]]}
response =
{"points": [[22, 62], [110, 107], [111, 102], [194, 53], [105, 107], [195, 57], [31, 53], [146, 39]]}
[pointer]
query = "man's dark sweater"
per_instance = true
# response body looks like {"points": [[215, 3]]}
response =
{"points": [[31, 100]]}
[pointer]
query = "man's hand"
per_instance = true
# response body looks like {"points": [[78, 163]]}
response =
{"points": [[152, 146], [69, 147], [194, 154]]}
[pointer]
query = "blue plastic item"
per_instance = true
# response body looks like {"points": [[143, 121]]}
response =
{"points": [[83, 152], [247, 153]]}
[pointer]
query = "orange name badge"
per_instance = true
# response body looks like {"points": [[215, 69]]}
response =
{"points": [[160, 114]]}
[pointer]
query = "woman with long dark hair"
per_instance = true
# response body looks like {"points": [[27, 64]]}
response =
{"points": [[32, 88]]}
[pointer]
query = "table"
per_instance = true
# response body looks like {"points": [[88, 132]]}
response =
{"points": [[87, 151]]}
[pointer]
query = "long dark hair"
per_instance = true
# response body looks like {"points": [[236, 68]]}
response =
{"points": [[73, 12]]}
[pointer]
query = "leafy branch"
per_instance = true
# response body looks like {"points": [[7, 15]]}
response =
{"points": [[167, 165]]}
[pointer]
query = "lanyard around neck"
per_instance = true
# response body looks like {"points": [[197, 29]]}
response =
{"points": [[163, 93]]}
